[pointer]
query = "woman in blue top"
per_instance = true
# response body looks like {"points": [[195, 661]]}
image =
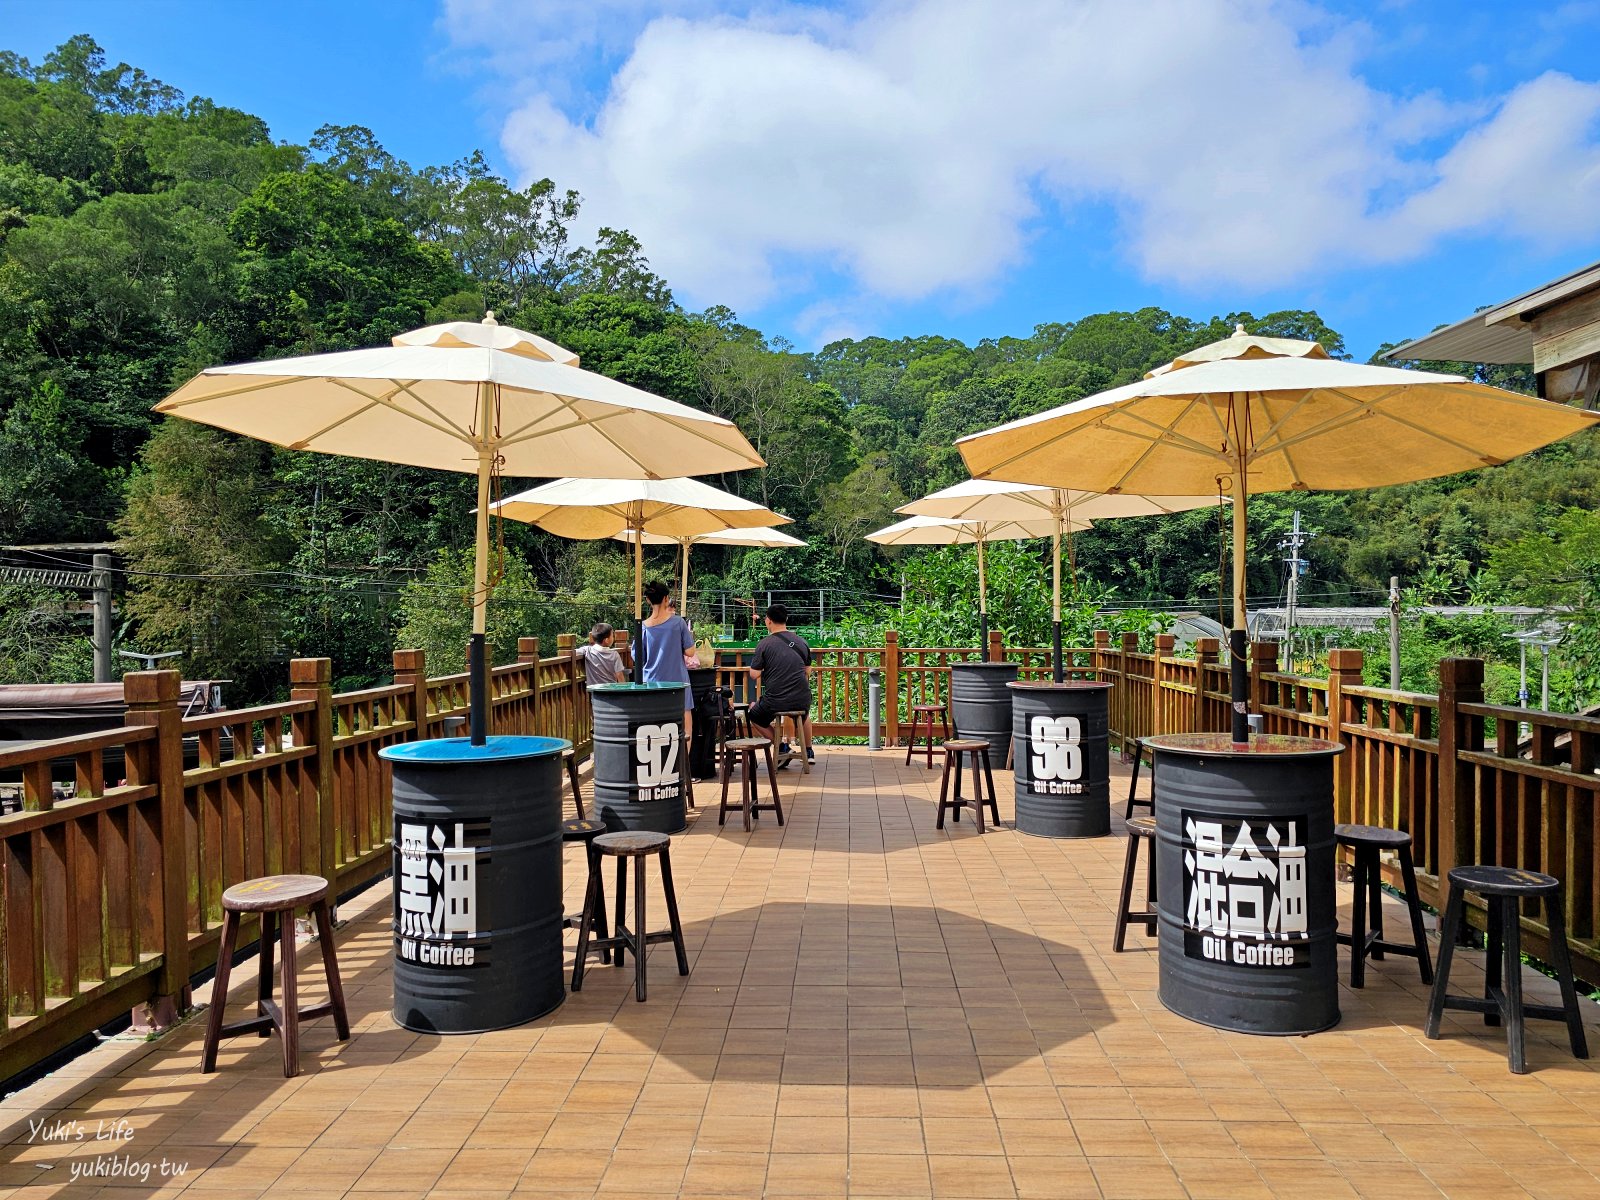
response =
{"points": [[667, 643]]}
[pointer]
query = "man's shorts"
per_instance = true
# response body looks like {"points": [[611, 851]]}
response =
{"points": [[763, 712]]}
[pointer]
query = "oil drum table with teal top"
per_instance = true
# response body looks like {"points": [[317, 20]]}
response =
{"points": [[1245, 879], [477, 882]]}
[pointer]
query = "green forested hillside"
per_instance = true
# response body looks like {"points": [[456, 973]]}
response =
{"points": [[144, 235]]}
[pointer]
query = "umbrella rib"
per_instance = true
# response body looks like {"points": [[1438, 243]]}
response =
{"points": [[446, 426], [371, 403], [1166, 435], [386, 401], [170, 405]]}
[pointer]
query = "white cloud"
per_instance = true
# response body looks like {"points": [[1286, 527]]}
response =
{"points": [[916, 146]]}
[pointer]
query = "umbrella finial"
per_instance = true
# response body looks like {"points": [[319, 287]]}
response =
{"points": [[1238, 328], [488, 318]]}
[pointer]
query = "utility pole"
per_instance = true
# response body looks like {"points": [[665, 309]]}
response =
{"points": [[1297, 566], [1394, 635], [102, 618]]}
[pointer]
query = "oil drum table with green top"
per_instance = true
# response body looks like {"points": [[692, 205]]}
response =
{"points": [[1247, 914], [1061, 754], [477, 882], [640, 756]]}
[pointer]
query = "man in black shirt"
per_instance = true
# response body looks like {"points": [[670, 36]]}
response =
{"points": [[782, 666]]}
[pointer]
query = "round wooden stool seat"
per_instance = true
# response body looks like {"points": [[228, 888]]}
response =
{"points": [[957, 745], [746, 743], [632, 843], [927, 708], [274, 893], [1503, 881], [1371, 835], [1144, 827], [581, 830]]}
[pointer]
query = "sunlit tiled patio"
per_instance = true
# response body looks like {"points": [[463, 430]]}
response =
{"points": [[876, 1008]]}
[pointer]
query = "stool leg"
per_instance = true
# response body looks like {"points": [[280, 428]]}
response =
{"points": [[1133, 781], [617, 928], [1408, 873], [1375, 900], [930, 741], [577, 792], [1130, 864], [953, 764], [591, 900], [291, 998], [750, 789], [643, 952], [994, 804], [944, 719], [911, 742], [1561, 960], [1516, 1021], [944, 793], [330, 967], [805, 745], [672, 910], [727, 774], [772, 783], [269, 934], [601, 924], [1494, 945], [219, 991], [1449, 928], [1358, 922], [977, 792]]}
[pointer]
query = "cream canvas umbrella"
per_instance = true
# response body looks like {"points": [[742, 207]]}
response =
{"points": [[990, 500], [1250, 414], [464, 396], [587, 509], [947, 531], [771, 538]]}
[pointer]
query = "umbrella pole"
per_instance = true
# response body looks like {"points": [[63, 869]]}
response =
{"points": [[1058, 670], [683, 575], [638, 602], [983, 607], [1239, 636], [477, 665]]}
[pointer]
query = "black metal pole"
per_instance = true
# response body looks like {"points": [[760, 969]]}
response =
{"points": [[478, 686], [1240, 677], [1059, 671], [638, 654]]}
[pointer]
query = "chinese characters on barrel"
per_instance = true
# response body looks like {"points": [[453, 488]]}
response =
{"points": [[437, 906], [1244, 891]]}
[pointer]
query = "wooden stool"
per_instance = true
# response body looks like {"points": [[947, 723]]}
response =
{"points": [[1139, 828], [623, 846], [1133, 783], [1504, 888], [569, 759], [923, 714], [802, 738], [979, 752], [586, 831], [740, 719], [275, 897], [1366, 930], [749, 785]]}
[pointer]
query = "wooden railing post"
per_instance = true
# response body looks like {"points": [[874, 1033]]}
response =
{"points": [[411, 669], [1102, 647], [152, 699], [567, 646], [528, 656], [1164, 645], [1206, 653], [891, 684], [1460, 682], [997, 646], [1344, 670], [1263, 661], [312, 679], [1132, 727]]}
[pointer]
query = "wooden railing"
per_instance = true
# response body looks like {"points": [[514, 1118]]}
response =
{"points": [[111, 901]]}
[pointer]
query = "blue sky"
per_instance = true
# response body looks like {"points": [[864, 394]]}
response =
{"points": [[936, 166]]}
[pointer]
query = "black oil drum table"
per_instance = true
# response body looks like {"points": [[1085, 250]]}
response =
{"points": [[477, 882], [980, 703], [1062, 758], [703, 762], [1244, 875], [639, 757]]}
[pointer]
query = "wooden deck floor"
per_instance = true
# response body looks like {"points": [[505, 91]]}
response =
{"points": [[875, 1008]]}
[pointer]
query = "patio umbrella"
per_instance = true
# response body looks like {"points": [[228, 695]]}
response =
{"points": [[771, 538], [990, 500], [586, 509], [1268, 414], [464, 396], [947, 531]]}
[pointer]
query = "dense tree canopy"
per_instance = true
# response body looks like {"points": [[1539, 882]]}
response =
{"points": [[144, 235]]}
